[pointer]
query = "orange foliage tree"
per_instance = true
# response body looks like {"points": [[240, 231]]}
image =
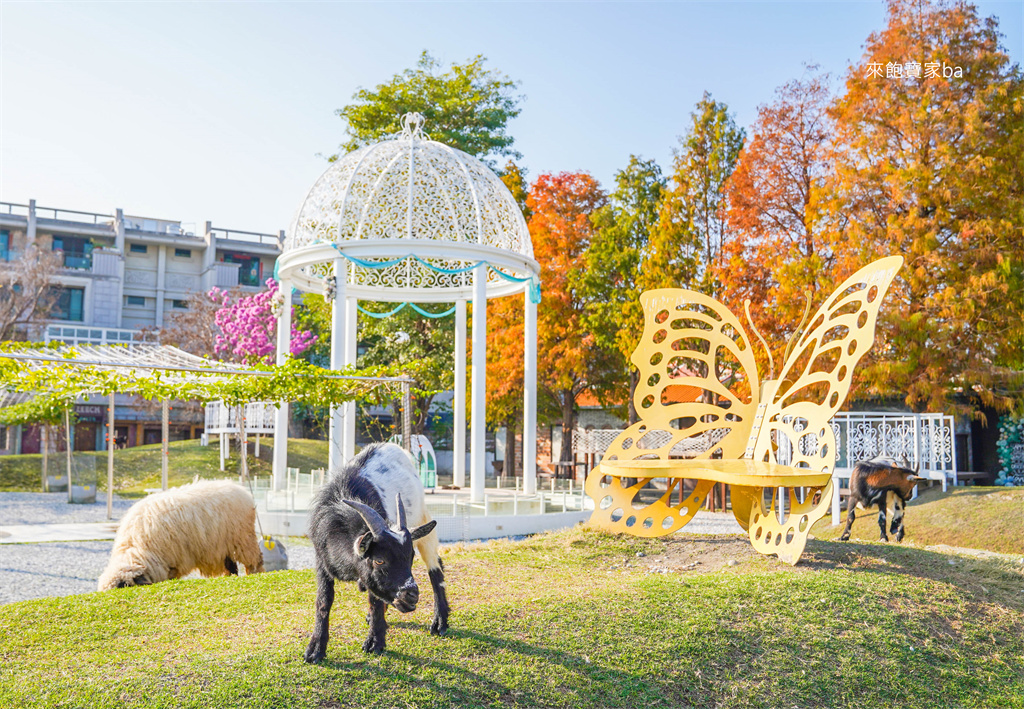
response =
{"points": [[931, 166], [505, 324], [777, 250], [569, 359]]}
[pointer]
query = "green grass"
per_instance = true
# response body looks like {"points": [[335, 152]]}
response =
{"points": [[136, 469], [567, 619], [989, 518]]}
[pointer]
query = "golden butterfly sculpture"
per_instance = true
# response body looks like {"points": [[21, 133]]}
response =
{"points": [[706, 416]]}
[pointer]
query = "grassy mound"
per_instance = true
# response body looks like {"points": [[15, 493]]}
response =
{"points": [[136, 469], [989, 518], [570, 619]]}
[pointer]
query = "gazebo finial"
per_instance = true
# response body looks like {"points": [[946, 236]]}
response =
{"points": [[412, 126]]}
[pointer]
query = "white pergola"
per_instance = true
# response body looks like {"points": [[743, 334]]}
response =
{"points": [[410, 220]]}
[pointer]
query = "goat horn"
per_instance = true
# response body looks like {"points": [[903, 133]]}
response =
{"points": [[372, 518], [401, 512]]}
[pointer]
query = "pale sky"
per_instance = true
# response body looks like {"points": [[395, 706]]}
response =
{"points": [[222, 111]]}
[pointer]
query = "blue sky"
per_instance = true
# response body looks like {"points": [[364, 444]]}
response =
{"points": [[222, 111]]}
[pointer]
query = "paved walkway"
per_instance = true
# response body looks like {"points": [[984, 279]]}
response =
{"points": [[32, 533]]}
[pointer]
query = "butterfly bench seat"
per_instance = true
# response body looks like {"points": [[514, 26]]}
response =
{"points": [[615, 481]]}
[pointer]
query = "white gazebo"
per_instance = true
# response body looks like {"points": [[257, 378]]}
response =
{"points": [[410, 220]]}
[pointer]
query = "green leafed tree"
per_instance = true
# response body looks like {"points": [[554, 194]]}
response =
{"points": [[693, 228], [615, 267], [468, 106]]}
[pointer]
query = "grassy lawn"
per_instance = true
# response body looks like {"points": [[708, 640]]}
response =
{"points": [[989, 518], [567, 619], [136, 469]]}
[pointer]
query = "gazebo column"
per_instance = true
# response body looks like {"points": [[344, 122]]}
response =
{"points": [[459, 401], [530, 397], [348, 446], [284, 346], [478, 400], [336, 446]]}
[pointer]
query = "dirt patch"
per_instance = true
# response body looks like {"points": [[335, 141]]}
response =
{"points": [[701, 554]]}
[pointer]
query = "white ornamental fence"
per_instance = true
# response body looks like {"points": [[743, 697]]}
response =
{"points": [[908, 439], [257, 418]]}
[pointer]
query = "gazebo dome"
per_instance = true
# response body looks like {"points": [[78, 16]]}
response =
{"points": [[411, 216]]}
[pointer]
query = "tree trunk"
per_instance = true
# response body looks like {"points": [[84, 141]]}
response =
{"points": [[568, 425], [510, 447], [634, 381]]}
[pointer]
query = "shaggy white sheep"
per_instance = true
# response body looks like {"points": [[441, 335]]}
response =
{"points": [[206, 525]]}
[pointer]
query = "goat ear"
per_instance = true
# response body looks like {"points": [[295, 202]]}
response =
{"points": [[363, 543], [423, 530]]}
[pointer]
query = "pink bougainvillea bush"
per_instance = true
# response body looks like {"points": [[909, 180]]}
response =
{"points": [[249, 326]]}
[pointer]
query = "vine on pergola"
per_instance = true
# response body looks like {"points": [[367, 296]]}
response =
{"points": [[55, 387]]}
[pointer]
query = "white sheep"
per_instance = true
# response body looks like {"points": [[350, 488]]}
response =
{"points": [[206, 525]]}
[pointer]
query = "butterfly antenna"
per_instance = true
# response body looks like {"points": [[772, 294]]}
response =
{"points": [[771, 361], [800, 327]]}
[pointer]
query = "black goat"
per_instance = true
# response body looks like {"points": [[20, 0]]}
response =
{"points": [[349, 527], [880, 483]]}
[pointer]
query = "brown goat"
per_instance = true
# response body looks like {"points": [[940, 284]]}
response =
{"points": [[879, 483]]}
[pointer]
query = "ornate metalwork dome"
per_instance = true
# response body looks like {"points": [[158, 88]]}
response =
{"points": [[412, 217]]}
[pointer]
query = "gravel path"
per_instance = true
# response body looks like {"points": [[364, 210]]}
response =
{"points": [[65, 568], [53, 508]]}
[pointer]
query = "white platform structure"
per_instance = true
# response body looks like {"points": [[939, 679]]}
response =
{"points": [[410, 220]]}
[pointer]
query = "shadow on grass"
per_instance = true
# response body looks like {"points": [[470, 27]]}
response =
{"points": [[976, 579], [595, 678]]}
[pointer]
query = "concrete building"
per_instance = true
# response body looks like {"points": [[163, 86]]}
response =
{"points": [[124, 273], [120, 275]]}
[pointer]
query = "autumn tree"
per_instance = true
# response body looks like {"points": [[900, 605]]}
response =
{"points": [[569, 357], [467, 107], [686, 247], [615, 272], [195, 329], [505, 325], [25, 291], [777, 249], [931, 166]]}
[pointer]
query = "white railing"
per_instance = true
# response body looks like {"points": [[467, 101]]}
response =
{"points": [[95, 335], [259, 418], [925, 442]]}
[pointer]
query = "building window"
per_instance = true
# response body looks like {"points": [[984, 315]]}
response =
{"points": [[5, 245], [135, 300], [77, 251], [138, 248], [183, 253], [68, 305], [250, 268], [179, 304]]}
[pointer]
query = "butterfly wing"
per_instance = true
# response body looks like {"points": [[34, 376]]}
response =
{"points": [[696, 398], [816, 376]]}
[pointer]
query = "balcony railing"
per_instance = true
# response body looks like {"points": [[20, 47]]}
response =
{"points": [[74, 216], [14, 209], [253, 237]]}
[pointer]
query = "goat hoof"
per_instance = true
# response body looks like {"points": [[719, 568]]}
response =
{"points": [[844, 538], [313, 656], [439, 626], [374, 646]]}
